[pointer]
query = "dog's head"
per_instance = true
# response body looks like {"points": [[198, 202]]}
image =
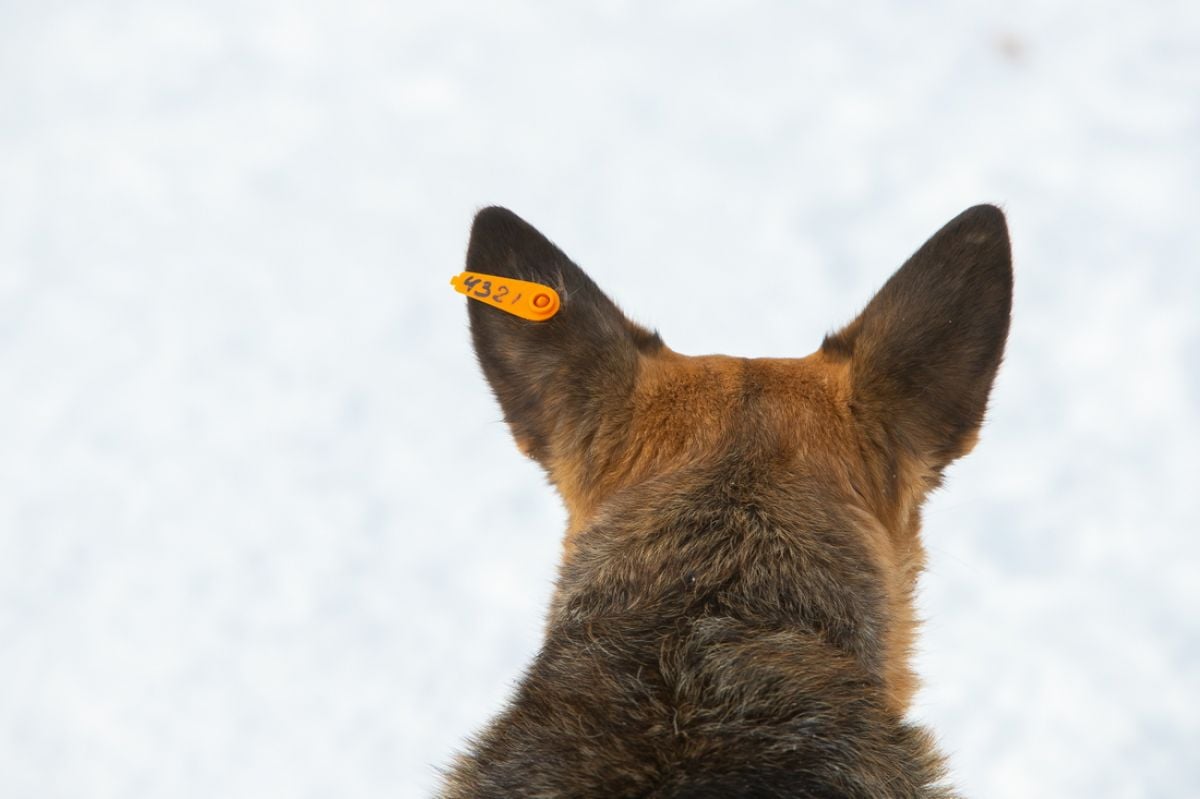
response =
{"points": [[876, 413]]}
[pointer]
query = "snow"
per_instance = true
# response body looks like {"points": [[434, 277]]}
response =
{"points": [[262, 532]]}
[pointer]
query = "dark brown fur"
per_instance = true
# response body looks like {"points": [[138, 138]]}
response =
{"points": [[733, 615]]}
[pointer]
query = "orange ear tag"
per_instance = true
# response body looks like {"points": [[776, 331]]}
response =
{"points": [[531, 301]]}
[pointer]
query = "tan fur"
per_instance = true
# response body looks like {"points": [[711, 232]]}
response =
{"points": [[678, 413]]}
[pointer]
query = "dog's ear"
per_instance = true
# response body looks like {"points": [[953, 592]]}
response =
{"points": [[924, 352], [554, 379]]}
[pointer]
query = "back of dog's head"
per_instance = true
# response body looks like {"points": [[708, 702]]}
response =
{"points": [[720, 507]]}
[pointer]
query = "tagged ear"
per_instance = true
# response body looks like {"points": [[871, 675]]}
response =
{"points": [[925, 350], [554, 378]]}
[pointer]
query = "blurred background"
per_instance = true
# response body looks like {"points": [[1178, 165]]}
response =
{"points": [[262, 531]]}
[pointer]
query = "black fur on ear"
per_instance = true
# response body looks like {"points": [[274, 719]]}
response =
{"points": [[554, 378], [925, 350]]}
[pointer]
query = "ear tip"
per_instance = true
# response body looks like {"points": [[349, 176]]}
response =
{"points": [[493, 212], [988, 211], [986, 219], [982, 224], [981, 231], [494, 220], [502, 243]]}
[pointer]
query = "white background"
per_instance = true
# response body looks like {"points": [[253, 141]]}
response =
{"points": [[262, 532]]}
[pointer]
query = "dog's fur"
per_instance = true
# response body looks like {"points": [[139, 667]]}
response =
{"points": [[733, 615]]}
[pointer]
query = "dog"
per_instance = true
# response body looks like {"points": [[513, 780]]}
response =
{"points": [[733, 615]]}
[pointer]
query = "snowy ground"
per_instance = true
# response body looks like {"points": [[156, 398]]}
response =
{"points": [[261, 531]]}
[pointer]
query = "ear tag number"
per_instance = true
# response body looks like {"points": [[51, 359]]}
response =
{"points": [[522, 298]]}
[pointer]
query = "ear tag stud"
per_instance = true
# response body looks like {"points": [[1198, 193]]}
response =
{"points": [[531, 301]]}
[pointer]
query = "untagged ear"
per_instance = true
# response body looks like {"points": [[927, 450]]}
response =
{"points": [[556, 378], [924, 352]]}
